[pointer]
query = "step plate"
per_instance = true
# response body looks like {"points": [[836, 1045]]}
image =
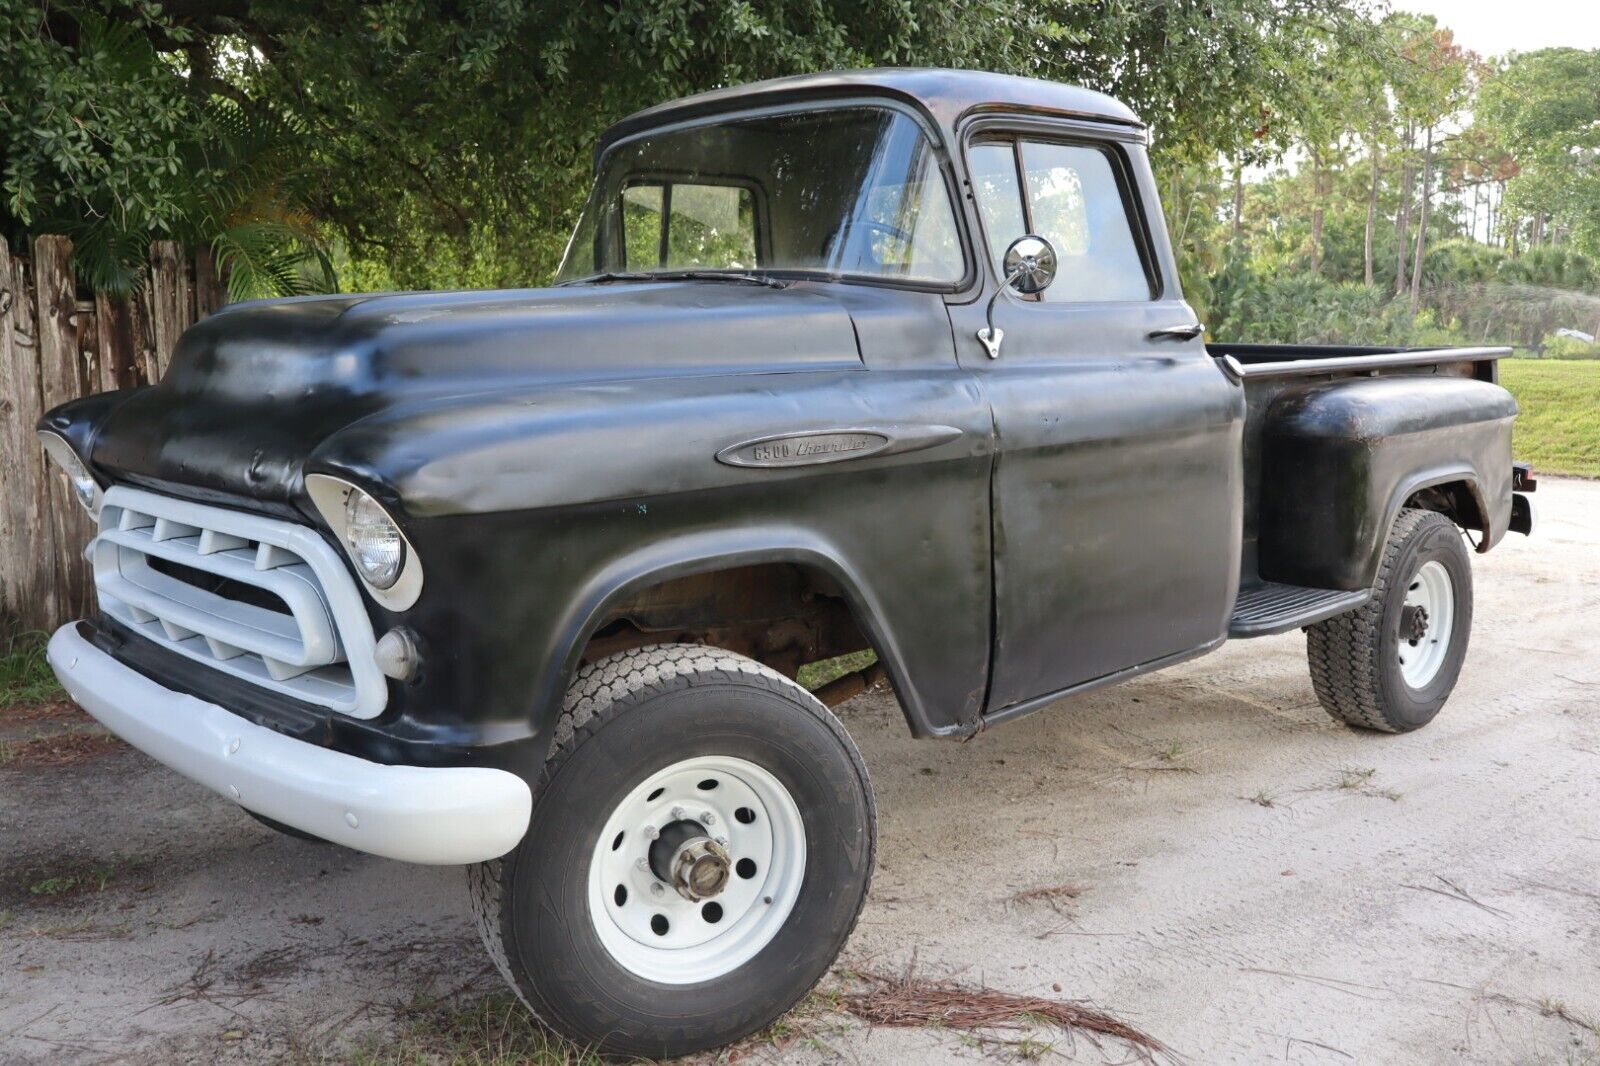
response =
{"points": [[1270, 608]]}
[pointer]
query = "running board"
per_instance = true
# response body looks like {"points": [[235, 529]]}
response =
{"points": [[1262, 610]]}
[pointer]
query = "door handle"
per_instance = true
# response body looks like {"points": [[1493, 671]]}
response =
{"points": [[1177, 333]]}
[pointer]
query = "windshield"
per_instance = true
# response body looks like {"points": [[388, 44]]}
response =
{"points": [[840, 192]]}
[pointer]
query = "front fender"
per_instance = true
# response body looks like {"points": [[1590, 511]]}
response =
{"points": [[511, 600], [706, 551], [79, 421], [532, 512]]}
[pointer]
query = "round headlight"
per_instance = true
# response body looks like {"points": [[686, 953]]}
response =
{"points": [[374, 540]]}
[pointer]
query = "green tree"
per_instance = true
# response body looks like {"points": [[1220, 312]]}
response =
{"points": [[107, 138], [451, 146], [1543, 108], [455, 148], [1434, 83]]}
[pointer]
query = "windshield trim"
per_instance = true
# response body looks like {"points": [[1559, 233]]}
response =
{"points": [[941, 154]]}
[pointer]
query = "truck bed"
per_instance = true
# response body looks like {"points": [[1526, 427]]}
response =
{"points": [[1268, 372]]}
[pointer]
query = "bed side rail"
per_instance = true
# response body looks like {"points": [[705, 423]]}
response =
{"points": [[1341, 363]]}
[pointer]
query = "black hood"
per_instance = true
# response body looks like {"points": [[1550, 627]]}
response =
{"points": [[255, 388]]}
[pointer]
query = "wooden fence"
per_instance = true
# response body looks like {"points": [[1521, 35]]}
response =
{"points": [[57, 344]]}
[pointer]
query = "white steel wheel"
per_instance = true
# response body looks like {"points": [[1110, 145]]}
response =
{"points": [[1391, 663], [569, 916], [696, 870], [1427, 621]]}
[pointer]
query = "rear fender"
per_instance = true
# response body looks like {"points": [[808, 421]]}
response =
{"points": [[1340, 459]]}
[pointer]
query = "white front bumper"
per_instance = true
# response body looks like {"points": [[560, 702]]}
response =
{"points": [[423, 814]]}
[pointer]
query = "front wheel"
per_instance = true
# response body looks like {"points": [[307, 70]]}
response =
{"points": [[1391, 664], [700, 847]]}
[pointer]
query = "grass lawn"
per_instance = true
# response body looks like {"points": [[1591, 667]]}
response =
{"points": [[25, 677], [1558, 430]]}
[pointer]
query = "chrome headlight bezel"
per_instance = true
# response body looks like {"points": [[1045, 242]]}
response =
{"points": [[346, 507], [84, 487]]}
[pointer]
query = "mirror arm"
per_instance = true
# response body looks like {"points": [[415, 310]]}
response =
{"points": [[991, 336]]}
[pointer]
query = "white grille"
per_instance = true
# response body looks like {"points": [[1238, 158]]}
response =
{"points": [[272, 602]]}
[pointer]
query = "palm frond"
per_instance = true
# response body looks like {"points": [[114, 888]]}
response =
{"points": [[265, 258], [106, 256]]}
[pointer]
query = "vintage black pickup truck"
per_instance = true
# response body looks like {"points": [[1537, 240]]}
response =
{"points": [[890, 360]]}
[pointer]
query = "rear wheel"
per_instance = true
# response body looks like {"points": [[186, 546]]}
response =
{"points": [[1391, 664], [700, 847]]}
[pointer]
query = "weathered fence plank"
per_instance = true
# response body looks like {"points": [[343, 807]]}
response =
{"points": [[62, 377], [171, 300], [87, 323], [210, 291], [116, 326], [55, 347], [25, 592]]}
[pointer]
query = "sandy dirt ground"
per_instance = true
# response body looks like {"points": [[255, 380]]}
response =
{"points": [[1256, 883]]}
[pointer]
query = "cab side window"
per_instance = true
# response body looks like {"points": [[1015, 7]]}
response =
{"points": [[1070, 195], [993, 168]]}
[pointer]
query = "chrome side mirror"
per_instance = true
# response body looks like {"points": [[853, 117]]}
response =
{"points": [[1030, 266]]}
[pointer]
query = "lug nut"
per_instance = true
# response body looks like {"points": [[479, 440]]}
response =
{"points": [[651, 832], [677, 814], [708, 818], [723, 841], [643, 866], [656, 888]]}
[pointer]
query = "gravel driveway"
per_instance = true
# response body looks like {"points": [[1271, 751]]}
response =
{"points": [[1253, 882]]}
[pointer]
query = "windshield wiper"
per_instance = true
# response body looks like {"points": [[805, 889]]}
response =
{"points": [[743, 278]]}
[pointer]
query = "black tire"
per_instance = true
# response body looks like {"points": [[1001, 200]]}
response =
{"points": [[1355, 657], [625, 718], [286, 830]]}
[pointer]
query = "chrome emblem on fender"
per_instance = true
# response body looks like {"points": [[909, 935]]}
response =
{"points": [[834, 445], [803, 449]]}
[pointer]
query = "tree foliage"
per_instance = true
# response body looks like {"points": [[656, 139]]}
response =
{"points": [[451, 146], [398, 143], [1543, 110], [96, 132], [109, 139]]}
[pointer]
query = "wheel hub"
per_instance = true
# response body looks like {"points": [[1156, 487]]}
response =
{"points": [[701, 869], [685, 856], [1426, 624], [1413, 622]]}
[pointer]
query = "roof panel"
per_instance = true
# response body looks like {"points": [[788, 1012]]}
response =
{"points": [[945, 94]]}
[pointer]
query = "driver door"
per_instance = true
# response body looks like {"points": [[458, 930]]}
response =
{"points": [[1117, 491]]}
